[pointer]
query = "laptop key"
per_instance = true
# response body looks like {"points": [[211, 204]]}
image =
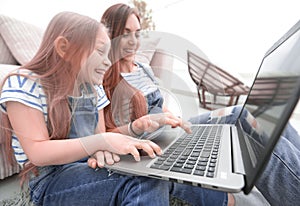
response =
{"points": [[181, 170], [210, 174], [199, 172], [203, 159], [165, 167], [200, 168], [202, 163], [211, 169], [192, 154], [205, 153]]}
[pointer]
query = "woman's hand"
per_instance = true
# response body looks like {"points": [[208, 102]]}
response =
{"points": [[152, 122]]}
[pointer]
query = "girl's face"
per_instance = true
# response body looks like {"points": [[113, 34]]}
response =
{"points": [[130, 40], [97, 63]]}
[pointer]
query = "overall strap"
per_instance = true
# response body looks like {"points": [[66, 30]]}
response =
{"points": [[147, 71]]}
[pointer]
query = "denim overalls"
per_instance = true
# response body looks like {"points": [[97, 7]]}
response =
{"points": [[155, 99], [83, 123], [84, 113]]}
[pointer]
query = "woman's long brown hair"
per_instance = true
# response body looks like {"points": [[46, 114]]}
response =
{"points": [[58, 75], [114, 18]]}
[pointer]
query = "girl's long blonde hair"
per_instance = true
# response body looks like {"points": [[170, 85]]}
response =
{"points": [[58, 75]]}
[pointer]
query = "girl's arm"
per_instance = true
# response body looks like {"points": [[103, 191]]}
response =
{"points": [[100, 158], [30, 128]]}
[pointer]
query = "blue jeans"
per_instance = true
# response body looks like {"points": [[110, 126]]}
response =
{"points": [[280, 181], [78, 184], [155, 102]]}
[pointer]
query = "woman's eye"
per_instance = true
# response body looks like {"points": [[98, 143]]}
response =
{"points": [[137, 35]]}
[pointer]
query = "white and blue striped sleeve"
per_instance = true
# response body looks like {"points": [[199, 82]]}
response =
{"points": [[21, 89], [102, 98]]}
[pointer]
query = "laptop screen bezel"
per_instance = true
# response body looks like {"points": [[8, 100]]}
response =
{"points": [[253, 173]]}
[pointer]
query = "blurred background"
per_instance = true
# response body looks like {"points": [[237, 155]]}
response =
{"points": [[233, 34]]}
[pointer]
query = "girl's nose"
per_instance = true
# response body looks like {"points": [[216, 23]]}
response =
{"points": [[107, 62]]}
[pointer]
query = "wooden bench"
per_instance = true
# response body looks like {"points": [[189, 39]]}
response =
{"points": [[211, 79], [271, 91]]}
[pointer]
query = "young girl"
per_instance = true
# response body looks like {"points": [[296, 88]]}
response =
{"points": [[52, 120], [132, 83]]}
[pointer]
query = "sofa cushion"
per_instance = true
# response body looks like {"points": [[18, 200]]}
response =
{"points": [[4, 70], [6, 167], [6, 56], [21, 38]]}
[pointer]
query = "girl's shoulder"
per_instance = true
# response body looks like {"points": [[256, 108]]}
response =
{"points": [[100, 90], [23, 74], [102, 98], [23, 79]]}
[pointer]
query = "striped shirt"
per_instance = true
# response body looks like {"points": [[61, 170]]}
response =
{"points": [[140, 80], [30, 93]]}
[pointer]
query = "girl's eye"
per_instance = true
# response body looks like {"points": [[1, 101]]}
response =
{"points": [[126, 35], [100, 51]]}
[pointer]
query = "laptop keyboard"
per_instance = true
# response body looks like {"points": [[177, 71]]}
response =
{"points": [[195, 153]]}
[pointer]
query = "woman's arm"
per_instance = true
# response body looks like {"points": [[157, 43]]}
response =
{"points": [[30, 128], [152, 122]]}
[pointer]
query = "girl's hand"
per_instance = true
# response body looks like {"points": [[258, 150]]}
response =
{"points": [[119, 144], [100, 158], [152, 122]]}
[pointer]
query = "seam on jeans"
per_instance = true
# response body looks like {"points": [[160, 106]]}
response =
{"points": [[72, 188], [225, 199], [283, 162], [140, 192]]}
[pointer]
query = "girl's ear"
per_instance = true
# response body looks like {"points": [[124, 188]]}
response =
{"points": [[61, 45]]}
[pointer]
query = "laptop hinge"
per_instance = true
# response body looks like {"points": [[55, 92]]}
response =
{"points": [[238, 165]]}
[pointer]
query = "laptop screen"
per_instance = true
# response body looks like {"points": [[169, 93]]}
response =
{"points": [[271, 100]]}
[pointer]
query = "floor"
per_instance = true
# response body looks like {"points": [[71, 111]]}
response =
{"points": [[8, 187]]}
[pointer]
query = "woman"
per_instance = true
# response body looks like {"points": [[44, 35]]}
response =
{"points": [[130, 83], [52, 120], [124, 26]]}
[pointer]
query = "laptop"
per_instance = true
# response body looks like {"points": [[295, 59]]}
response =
{"points": [[234, 160]]}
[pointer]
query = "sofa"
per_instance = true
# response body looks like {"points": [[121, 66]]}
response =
{"points": [[18, 42]]}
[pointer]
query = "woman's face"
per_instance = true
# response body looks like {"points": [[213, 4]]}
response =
{"points": [[130, 40], [98, 62]]}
